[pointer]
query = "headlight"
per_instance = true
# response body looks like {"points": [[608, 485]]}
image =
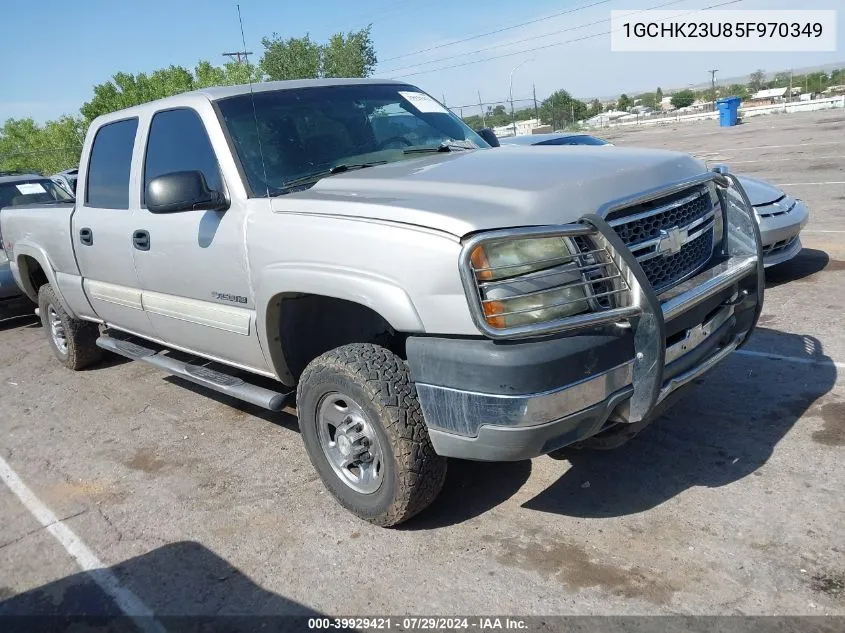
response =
{"points": [[509, 258], [527, 281], [786, 203]]}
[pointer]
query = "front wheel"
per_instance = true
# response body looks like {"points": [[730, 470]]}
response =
{"points": [[364, 432]]}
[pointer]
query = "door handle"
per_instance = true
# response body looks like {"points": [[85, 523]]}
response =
{"points": [[86, 236], [141, 240]]}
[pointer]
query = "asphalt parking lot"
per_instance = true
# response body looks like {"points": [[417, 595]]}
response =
{"points": [[730, 504]]}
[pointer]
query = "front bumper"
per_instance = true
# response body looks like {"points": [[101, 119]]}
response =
{"points": [[779, 234], [487, 400]]}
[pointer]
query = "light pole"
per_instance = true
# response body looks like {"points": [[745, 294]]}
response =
{"points": [[513, 70]]}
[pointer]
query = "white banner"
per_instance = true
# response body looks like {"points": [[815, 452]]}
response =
{"points": [[712, 31]]}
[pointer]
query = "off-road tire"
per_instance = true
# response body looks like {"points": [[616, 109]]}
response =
{"points": [[380, 382], [82, 349]]}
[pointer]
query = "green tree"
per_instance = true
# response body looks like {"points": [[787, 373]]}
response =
{"points": [[230, 74], [738, 90], [648, 99], [561, 109], [658, 95], [350, 55], [125, 90], [48, 148], [624, 102], [474, 121], [497, 116], [756, 80], [683, 98], [293, 58], [595, 109], [781, 80]]}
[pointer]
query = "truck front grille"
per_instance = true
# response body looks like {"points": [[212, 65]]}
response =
{"points": [[664, 272], [671, 236]]}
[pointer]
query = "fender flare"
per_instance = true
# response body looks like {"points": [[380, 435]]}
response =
{"points": [[26, 249], [380, 295]]}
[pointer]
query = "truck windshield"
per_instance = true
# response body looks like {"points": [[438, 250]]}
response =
{"points": [[287, 135], [35, 191]]}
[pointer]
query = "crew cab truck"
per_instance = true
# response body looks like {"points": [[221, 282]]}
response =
{"points": [[425, 297]]}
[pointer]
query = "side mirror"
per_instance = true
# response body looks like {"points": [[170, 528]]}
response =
{"points": [[183, 191], [490, 136]]}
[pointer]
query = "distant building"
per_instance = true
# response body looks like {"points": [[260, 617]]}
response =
{"points": [[522, 127], [666, 104]]}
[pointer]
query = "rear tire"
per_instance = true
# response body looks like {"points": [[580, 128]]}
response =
{"points": [[73, 342], [359, 401]]}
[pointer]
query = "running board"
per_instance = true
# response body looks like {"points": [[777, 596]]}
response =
{"points": [[198, 374]]}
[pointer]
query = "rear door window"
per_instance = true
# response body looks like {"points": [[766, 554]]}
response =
{"points": [[110, 164]]}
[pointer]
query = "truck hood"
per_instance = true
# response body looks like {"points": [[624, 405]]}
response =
{"points": [[462, 192]]}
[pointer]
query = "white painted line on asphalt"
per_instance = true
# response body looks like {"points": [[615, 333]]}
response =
{"points": [[791, 359], [780, 160], [820, 231], [794, 184], [127, 602], [741, 149]]}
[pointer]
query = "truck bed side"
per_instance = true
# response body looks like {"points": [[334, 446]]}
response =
{"points": [[40, 246]]}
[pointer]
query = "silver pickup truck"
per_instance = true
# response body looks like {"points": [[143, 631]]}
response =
{"points": [[425, 297]]}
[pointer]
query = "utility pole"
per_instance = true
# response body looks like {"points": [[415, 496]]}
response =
{"points": [[245, 53], [513, 70], [536, 113], [713, 84], [790, 86], [481, 107], [238, 54]]}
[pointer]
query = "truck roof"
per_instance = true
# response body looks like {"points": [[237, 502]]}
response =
{"points": [[222, 92]]}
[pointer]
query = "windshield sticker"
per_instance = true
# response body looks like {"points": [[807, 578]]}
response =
{"points": [[422, 102], [29, 188]]}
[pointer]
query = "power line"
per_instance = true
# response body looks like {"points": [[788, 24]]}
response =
{"points": [[526, 39], [539, 48], [501, 30]]}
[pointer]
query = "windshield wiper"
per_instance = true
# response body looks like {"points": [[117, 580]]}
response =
{"points": [[446, 146], [317, 175]]}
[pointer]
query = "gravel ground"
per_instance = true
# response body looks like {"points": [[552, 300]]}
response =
{"points": [[730, 504]]}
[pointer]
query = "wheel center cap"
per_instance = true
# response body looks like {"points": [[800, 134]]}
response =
{"points": [[344, 445]]}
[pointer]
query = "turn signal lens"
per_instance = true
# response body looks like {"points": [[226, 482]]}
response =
{"points": [[480, 263], [491, 309]]}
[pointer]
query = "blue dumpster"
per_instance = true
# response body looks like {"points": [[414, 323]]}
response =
{"points": [[728, 109]]}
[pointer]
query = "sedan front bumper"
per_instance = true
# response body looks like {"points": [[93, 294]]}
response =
{"points": [[779, 233]]}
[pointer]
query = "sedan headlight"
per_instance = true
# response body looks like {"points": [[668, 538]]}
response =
{"points": [[527, 281]]}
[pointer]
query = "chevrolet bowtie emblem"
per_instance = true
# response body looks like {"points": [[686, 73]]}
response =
{"points": [[671, 241]]}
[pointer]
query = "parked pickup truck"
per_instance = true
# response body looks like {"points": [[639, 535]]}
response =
{"points": [[424, 296]]}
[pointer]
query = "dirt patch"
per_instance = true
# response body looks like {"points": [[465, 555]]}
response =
{"points": [[830, 584], [833, 431], [835, 264], [821, 166], [575, 567], [94, 489], [146, 462]]}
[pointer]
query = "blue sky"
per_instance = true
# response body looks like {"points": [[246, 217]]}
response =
{"points": [[53, 56]]}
